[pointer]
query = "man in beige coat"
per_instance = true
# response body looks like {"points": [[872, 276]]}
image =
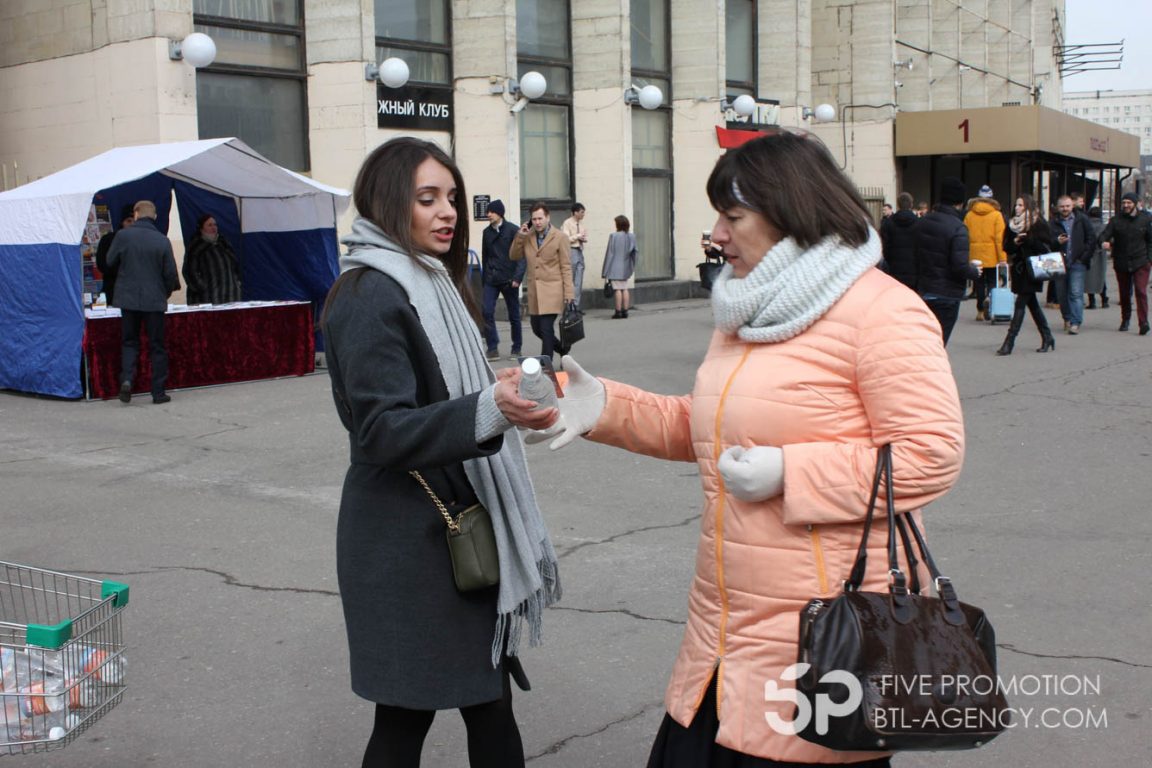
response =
{"points": [[548, 279]]}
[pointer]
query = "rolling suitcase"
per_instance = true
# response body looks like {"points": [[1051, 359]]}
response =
{"points": [[1001, 300]]}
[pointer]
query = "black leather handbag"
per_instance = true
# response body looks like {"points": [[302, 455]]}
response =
{"points": [[571, 328], [709, 270], [922, 669]]}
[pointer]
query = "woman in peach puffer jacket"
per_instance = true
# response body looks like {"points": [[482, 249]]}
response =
{"points": [[818, 359]]}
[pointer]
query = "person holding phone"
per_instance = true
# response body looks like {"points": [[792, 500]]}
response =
{"points": [[548, 279]]}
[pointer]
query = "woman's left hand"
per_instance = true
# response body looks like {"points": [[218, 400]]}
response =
{"points": [[520, 412], [752, 474]]}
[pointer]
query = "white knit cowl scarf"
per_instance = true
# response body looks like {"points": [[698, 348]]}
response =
{"points": [[529, 575], [791, 288]]}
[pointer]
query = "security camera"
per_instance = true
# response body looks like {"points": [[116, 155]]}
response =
{"points": [[898, 84], [519, 105]]}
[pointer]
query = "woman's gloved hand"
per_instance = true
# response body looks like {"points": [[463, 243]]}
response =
{"points": [[580, 408], [752, 474]]}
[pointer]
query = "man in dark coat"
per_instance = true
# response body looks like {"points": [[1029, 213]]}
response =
{"points": [[102, 248], [1129, 237], [1072, 230], [502, 277], [943, 269], [145, 279], [898, 237]]}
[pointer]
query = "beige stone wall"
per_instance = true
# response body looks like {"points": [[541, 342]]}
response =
{"points": [[60, 111]]}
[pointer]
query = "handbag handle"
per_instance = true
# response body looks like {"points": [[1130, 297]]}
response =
{"points": [[453, 525], [897, 582]]}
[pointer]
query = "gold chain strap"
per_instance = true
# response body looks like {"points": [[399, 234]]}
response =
{"points": [[453, 525]]}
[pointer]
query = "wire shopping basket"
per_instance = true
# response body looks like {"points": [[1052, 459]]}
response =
{"points": [[61, 656]]}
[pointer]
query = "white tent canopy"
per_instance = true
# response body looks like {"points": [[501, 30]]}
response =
{"points": [[53, 209]]}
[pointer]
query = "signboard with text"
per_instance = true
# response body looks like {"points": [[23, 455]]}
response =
{"points": [[413, 106]]}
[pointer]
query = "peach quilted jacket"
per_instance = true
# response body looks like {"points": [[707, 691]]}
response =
{"points": [[871, 371]]}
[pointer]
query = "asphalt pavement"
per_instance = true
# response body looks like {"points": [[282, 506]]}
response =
{"points": [[219, 511]]}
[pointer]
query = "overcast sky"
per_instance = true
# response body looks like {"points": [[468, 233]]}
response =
{"points": [[1109, 21]]}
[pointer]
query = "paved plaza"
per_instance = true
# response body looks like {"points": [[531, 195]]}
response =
{"points": [[219, 511]]}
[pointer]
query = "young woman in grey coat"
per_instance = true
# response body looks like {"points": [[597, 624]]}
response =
{"points": [[415, 392]]}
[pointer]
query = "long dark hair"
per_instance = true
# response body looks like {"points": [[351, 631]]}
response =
{"points": [[793, 182], [384, 193]]}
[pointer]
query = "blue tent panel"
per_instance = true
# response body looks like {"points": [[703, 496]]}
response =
{"points": [[298, 265], [155, 187], [42, 315]]}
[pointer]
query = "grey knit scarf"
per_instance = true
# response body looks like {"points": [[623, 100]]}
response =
{"points": [[790, 289], [529, 574]]}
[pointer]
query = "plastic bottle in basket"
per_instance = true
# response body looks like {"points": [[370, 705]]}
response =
{"points": [[535, 384], [17, 668], [86, 662]]}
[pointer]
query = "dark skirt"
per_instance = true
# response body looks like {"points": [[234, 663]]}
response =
{"points": [[696, 747]]}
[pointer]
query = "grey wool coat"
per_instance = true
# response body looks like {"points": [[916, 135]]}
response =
{"points": [[414, 641]]}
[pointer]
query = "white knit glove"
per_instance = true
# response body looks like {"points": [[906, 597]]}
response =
{"points": [[580, 408], [752, 474]]}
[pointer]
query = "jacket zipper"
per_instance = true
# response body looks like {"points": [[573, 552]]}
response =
{"points": [[717, 449], [818, 556]]}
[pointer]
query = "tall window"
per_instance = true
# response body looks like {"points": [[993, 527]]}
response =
{"points": [[543, 44], [256, 88], [419, 32], [651, 142], [740, 47]]}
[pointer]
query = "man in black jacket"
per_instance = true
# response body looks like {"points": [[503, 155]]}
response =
{"points": [[943, 269], [502, 277], [1129, 237], [126, 218], [1073, 231], [146, 277], [898, 239]]}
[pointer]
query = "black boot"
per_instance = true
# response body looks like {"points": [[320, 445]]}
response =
{"points": [[1103, 301], [1091, 301], [1013, 329], [1047, 342]]}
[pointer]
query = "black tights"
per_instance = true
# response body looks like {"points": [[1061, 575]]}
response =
{"points": [[493, 738]]}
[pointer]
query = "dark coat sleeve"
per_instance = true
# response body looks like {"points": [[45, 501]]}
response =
{"points": [[171, 276], [387, 382]]}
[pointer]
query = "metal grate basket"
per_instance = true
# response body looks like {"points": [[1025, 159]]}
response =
{"points": [[62, 663]]}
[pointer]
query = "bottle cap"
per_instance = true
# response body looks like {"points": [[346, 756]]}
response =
{"points": [[530, 366]]}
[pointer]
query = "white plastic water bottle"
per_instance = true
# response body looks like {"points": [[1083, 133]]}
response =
{"points": [[535, 384]]}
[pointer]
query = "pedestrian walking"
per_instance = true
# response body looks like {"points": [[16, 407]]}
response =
{"points": [[943, 266], [414, 392], [1128, 237], [1095, 280], [502, 278], [985, 225], [817, 361], [548, 277], [573, 227], [1028, 235], [898, 239]]}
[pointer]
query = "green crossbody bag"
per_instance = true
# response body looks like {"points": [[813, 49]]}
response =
{"points": [[471, 544]]}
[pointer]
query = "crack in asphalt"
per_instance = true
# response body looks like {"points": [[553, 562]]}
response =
{"points": [[1066, 377], [629, 532], [622, 611], [1071, 657], [556, 747], [232, 581]]}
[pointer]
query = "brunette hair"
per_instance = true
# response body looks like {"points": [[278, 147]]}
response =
{"points": [[622, 223], [538, 206], [904, 201], [384, 193], [793, 182], [202, 220], [577, 207]]}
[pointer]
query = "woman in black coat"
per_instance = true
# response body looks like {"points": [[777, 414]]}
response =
{"points": [[1028, 234], [413, 389], [211, 269]]}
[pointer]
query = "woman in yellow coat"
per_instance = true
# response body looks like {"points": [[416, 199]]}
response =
{"points": [[985, 224], [818, 359], [548, 279]]}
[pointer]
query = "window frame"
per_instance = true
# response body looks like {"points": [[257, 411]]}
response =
{"points": [[300, 74], [423, 46], [750, 87], [526, 62]]}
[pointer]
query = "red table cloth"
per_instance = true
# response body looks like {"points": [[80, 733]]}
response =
{"points": [[209, 346]]}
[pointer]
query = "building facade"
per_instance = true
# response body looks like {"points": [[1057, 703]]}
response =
{"points": [[81, 76]]}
